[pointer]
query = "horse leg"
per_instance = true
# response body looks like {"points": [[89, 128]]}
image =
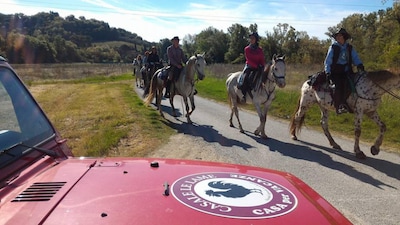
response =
{"points": [[260, 131], [185, 99], [324, 125], [306, 100], [158, 100], [171, 101], [382, 129], [191, 99], [357, 133], [235, 111]]}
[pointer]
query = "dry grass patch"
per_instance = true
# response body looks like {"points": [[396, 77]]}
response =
{"points": [[102, 119]]}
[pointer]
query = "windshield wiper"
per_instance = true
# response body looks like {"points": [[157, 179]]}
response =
{"points": [[6, 151], [42, 150]]}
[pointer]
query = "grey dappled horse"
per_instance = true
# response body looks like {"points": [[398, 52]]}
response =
{"points": [[369, 88], [184, 86], [263, 93]]}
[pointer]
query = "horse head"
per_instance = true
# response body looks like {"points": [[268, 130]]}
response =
{"points": [[200, 64], [278, 70]]}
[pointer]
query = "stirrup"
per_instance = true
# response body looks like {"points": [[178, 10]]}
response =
{"points": [[342, 109]]}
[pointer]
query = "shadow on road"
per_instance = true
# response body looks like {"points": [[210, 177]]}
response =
{"points": [[386, 167], [316, 154], [207, 132]]}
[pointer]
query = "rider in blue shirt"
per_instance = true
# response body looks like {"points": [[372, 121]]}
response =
{"points": [[338, 66]]}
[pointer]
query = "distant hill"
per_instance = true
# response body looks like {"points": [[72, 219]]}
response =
{"points": [[49, 38]]}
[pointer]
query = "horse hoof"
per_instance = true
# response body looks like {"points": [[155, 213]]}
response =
{"points": [[264, 136], [337, 147], [361, 155], [231, 125], [294, 138], [374, 150], [242, 131]]}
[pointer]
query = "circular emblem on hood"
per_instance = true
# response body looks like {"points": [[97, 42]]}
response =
{"points": [[234, 195]]}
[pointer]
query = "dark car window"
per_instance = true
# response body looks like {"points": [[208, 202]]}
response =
{"points": [[21, 120]]}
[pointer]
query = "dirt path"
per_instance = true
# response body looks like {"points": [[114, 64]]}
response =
{"points": [[179, 145]]}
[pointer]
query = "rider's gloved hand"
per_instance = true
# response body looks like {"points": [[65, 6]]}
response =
{"points": [[330, 81], [360, 68]]}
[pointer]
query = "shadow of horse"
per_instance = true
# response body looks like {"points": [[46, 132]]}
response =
{"points": [[317, 155], [386, 167], [207, 132]]}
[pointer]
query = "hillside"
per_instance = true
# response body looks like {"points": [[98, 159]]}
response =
{"points": [[49, 38]]}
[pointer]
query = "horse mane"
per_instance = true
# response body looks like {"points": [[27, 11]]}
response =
{"points": [[264, 76], [380, 76]]}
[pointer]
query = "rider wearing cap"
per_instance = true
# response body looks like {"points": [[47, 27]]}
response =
{"points": [[255, 62], [338, 66], [176, 62]]}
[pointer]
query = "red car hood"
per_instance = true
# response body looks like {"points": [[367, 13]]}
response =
{"points": [[160, 191]]}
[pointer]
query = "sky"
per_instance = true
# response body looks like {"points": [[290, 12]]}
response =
{"points": [[155, 20]]}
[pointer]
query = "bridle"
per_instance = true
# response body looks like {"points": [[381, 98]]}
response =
{"points": [[274, 75]]}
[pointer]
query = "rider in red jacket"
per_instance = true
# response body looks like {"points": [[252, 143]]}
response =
{"points": [[255, 63]]}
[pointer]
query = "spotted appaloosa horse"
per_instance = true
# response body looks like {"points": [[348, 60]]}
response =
{"points": [[369, 88], [263, 93]]}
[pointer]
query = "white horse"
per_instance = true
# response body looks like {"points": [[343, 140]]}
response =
{"points": [[369, 87], [184, 86], [263, 93], [137, 72]]}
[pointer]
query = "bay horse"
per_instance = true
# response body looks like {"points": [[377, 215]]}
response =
{"points": [[365, 99], [184, 86], [263, 93], [147, 74]]}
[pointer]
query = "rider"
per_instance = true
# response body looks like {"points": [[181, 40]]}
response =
{"points": [[176, 62], [153, 59], [338, 66], [255, 62]]}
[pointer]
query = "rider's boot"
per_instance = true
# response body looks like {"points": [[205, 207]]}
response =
{"points": [[243, 89]]}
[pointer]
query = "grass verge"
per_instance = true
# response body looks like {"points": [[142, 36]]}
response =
{"points": [[285, 105], [96, 114]]}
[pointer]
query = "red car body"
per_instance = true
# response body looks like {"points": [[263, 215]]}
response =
{"points": [[42, 183]]}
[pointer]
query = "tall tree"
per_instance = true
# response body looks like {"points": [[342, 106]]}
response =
{"points": [[214, 43], [238, 39]]}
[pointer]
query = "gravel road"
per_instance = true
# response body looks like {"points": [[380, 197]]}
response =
{"points": [[365, 191]]}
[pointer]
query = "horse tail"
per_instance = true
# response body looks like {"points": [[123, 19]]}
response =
{"points": [[152, 91], [296, 123]]}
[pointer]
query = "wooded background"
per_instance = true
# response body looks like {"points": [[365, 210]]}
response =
{"points": [[49, 38]]}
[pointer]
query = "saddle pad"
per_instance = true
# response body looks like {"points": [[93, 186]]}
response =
{"points": [[317, 79], [163, 74]]}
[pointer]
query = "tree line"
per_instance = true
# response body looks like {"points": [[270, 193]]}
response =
{"points": [[49, 38], [375, 36]]}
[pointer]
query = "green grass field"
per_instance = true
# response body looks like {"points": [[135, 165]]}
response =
{"points": [[97, 110], [285, 105]]}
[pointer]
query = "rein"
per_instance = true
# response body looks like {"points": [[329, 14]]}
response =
{"points": [[387, 91], [379, 86]]}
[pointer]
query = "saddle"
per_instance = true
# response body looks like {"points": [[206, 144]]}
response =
{"points": [[320, 82], [317, 80], [248, 83], [163, 75]]}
